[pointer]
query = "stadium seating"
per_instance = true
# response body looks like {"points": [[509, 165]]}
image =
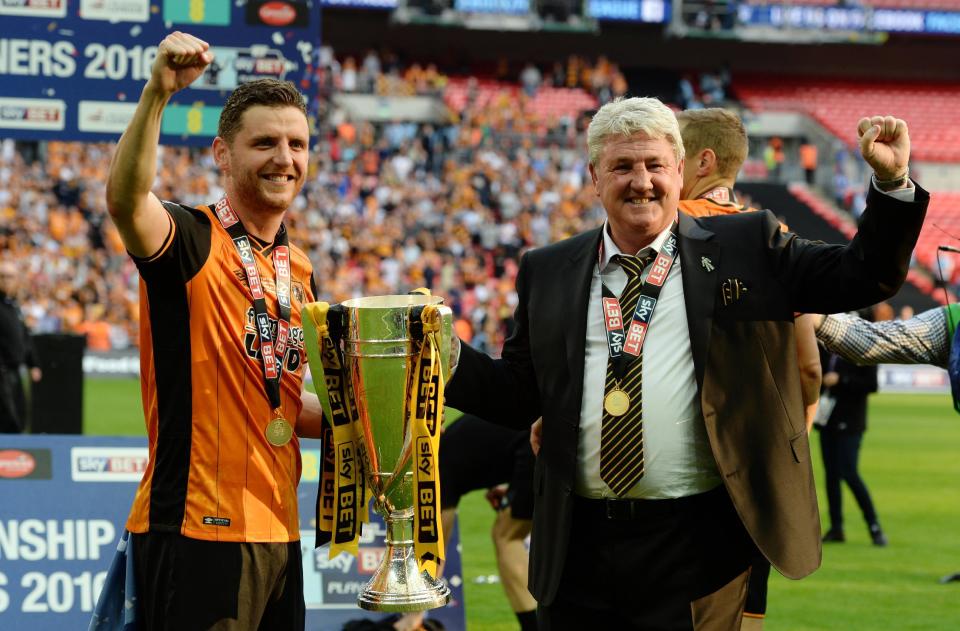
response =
{"points": [[549, 102], [939, 214], [941, 227], [839, 104]]}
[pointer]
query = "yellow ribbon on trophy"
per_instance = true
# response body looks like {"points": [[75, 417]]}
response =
{"points": [[342, 501], [426, 401]]}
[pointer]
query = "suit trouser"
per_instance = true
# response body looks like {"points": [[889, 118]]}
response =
{"points": [[12, 401], [659, 565], [841, 457]]}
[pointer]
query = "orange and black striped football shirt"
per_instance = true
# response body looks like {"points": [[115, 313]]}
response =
{"points": [[719, 201], [212, 474]]}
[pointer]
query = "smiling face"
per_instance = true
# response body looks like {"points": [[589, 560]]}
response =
{"points": [[638, 180], [266, 161]]}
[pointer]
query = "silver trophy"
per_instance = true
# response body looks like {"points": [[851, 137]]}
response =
{"points": [[380, 352]]}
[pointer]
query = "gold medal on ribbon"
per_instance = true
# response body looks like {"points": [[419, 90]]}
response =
{"points": [[279, 432], [616, 402]]}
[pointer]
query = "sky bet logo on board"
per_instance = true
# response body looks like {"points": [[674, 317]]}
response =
{"points": [[44, 114], [108, 464], [34, 8]]}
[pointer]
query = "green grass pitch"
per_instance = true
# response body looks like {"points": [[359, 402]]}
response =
{"points": [[910, 461]]}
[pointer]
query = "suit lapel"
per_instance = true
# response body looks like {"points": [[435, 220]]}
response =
{"points": [[575, 280], [698, 254]]}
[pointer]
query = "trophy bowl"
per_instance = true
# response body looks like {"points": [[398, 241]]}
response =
{"points": [[380, 348]]}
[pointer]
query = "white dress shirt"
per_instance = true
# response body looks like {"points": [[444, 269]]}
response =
{"points": [[677, 456]]}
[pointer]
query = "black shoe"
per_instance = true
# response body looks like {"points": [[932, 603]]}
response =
{"points": [[876, 535], [834, 535]]}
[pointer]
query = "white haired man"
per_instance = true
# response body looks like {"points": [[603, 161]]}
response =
{"points": [[672, 443]]}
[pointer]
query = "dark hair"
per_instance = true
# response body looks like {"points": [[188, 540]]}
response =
{"points": [[268, 92]]}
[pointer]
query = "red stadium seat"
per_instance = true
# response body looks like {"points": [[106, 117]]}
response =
{"points": [[839, 104], [941, 227], [549, 102]]}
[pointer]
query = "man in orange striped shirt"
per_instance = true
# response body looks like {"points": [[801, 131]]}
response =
{"points": [[215, 526]]}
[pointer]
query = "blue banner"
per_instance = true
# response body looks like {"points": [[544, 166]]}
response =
{"points": [[856, 19], [651, 11], [74, 69], [64, 502]]}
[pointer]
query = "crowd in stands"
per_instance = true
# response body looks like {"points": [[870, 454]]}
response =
{"points": [[385, 209], [75, 276], [385, 74]]}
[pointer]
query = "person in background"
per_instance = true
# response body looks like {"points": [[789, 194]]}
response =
{"points": [[16, 350], [846, 387], [808, 160]]}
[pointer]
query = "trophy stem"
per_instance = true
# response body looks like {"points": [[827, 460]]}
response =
{"points": [[398, 585]]}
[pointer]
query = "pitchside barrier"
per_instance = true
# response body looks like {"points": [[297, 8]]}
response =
{"points": [[892, 377], [63, 503]]}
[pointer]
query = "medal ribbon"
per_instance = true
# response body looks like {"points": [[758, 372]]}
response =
{"points": [[631, 342], [426, 401], [271, 352], [342, 500]]}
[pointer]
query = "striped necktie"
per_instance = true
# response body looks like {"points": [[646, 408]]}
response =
{"points": [[621, 436]]}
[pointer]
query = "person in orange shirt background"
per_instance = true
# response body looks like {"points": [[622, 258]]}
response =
{"points": [[808, 160], [716, 145]]}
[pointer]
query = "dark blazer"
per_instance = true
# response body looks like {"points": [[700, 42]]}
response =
{"points": [[849, 414], [744, 354]]}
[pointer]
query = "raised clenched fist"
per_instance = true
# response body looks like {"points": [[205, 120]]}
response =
{"points": [[885, 145], [181, 59]]}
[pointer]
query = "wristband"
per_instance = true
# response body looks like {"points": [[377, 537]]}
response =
{"points": [[895, 183]]}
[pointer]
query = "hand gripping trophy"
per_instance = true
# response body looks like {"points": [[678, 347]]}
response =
{"points": [[383, 361]]}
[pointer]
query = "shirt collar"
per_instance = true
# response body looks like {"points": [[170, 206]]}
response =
{"points": [[723, 194], [610, 248]]}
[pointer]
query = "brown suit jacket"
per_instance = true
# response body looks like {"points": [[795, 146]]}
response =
{"points": [[743, 352]]}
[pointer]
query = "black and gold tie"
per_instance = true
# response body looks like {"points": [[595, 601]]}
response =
{"points": [[621, 437]]}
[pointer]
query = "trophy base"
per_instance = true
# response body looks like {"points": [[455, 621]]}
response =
{"points": [[400, 587]]}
